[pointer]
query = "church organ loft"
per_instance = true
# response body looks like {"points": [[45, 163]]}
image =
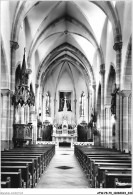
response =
{"points": [[66, 81]]}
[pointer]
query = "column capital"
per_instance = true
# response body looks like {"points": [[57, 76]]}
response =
{"points": [[88, 96], [14, 45], [94, 86], [125, 93], [107, 105], [117, 46], [118, 37], [102, 69], [36, 85], [28, 70], [5, 92]]}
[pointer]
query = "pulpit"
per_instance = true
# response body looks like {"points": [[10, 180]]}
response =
{"points": [[22, 134], [22, 98]]}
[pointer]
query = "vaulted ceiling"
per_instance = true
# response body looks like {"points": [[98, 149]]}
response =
{"points": [[64, 32]]}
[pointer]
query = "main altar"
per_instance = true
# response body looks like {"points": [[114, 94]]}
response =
{"points": [[64, 127]]}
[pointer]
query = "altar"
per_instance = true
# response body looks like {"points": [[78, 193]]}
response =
{"points": [[65, 128], [64, 134]]}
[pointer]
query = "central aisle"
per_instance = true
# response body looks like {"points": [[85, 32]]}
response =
{"points": [[63, 171]]}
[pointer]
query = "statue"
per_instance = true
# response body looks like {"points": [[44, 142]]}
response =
{"points": [[113, 100], [65, 105], [47, 104], [82, 103]]}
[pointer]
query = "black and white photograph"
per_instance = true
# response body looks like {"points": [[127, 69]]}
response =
{"points": [[66, 97]]}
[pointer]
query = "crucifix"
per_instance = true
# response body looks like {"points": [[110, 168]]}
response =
{"points": [[65, 105]]}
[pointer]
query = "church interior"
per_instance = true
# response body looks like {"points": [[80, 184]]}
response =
{"points": [[66, 94]]}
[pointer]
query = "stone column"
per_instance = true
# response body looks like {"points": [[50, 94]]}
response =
{"points": [[118, 47], [42, 112], [19, 114], [31, 112], [94, 92], [126, 130], [55, 102], [33, 120], [102, 72], [118, 122], [14, 46], [33, 117], [36, 96], [39, 110], [22, 115], [75, 101], [26, 114], [121, 122], [108, 130], [5, 136], [16, 114], [129, 122], [88, 107]]}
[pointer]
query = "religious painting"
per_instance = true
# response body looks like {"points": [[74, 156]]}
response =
{"points": [[64, 97]]}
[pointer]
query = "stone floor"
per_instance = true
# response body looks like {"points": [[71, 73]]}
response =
{"points": [[63, 171]]}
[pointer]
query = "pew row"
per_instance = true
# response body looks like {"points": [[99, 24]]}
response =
{"points": [[92, 158], [6, 183], [31, 160]]}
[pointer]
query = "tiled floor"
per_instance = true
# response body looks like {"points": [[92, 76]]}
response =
{"points": [[69, 175]]}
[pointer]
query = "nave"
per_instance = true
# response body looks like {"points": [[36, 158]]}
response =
{"points": [[63, 171], [66, 80]]}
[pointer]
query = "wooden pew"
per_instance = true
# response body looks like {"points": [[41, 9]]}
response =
{"points": [[16, 179], [36, 156], [24, 154], [122, 184], [21, 159], [93, 173], [93, 161], [85, 152], [103, 153], [40, 151], [24, 171], [101, 157], [94, 168], [37, 150], [48, 149], [101, 170], [92, 157], [6, 183], [43, 153], [109, 178], [23, 163]]}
